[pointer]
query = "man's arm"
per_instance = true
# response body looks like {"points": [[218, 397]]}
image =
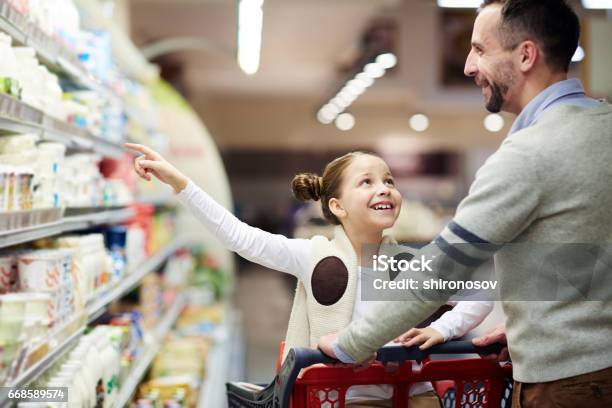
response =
{"points": [[502, 202]]}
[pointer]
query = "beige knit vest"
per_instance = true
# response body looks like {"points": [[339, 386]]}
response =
{"points": [[317, 309]]}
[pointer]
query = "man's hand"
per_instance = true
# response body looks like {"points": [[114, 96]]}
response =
{"points": [[425, 338], [325, 344], [497, 335]]}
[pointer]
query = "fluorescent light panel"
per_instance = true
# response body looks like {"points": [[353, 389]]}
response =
{"points": [[459, 3], [597, 4], [250, 23]]}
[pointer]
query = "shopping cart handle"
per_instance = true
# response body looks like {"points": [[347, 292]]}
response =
{"points": [[401, 353]]}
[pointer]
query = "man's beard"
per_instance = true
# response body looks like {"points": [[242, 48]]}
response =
{"points": [[495, 102], [499, 88]]}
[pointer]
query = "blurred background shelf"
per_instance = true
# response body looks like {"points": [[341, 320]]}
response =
{"points": [[95, 309], [130, 384], [16, 116], [65, 224]]}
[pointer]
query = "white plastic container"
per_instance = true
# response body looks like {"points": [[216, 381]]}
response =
{"points": [[17, 143], [12, 316]]}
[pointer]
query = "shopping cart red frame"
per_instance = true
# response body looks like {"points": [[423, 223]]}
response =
{"points": [[309, 379]]}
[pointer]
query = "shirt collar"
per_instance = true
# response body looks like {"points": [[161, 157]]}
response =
{"points": [[544, 100]]}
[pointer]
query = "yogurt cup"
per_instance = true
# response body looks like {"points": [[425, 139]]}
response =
{"points": [[8, 273], [40, 270], [12, 313]]}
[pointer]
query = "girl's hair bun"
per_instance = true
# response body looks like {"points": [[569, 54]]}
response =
{"points": [[307, 186]]}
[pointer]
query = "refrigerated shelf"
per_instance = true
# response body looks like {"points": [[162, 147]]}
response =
{"points": [[128, 388], [96, 308], [18, 117], [49, 51], [66, 224]]}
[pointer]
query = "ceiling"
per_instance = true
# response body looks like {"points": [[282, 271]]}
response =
{"points": [[304, 41]]}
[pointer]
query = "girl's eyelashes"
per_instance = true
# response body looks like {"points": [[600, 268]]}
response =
{"points": [[365, 181], [390, 181]]}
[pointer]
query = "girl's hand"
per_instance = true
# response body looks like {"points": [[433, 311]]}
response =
{"points": [[426, 337], [152, 162]]}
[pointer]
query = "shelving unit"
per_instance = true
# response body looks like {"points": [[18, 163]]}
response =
{"points": [[41, 366], [66, 224], [16, 116], [52, 53], [19, 117], [128, 388], [95, 309]]}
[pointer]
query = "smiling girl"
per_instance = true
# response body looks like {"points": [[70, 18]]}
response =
{"points": [[358, 195]]}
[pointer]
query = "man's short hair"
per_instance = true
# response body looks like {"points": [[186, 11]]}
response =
{"points": [[552, 24]]}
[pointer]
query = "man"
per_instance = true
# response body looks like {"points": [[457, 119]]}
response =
{"points": [[549, 182]]}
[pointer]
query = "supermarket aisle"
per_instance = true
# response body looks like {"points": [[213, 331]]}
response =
{"points": [[264, 297]]}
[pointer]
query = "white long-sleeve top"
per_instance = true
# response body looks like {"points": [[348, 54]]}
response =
{"points": [[292, 256]]}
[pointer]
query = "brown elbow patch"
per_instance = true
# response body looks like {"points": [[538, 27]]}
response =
{"points": [[329, 280]]}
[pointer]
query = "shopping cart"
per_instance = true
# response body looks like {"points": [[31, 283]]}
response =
{"points": [[308, 379]]}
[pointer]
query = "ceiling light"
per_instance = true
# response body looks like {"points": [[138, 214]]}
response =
{"points": [[354, 87], [325, 117], [386, 60], [460, 3], [331, 109], [350, 90], [250, 22], [374, 70], [364, 80], [345, 121], [419, 122], [342, 99], [578, 55], [494, 122], [597, 4], [340, 103]]}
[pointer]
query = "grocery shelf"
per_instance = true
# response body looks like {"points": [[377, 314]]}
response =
{"points": [[33, 372], [66, 224], [114, 216], [95, 309], [128, 56], [16, 116], [130, 384], [50, 51]]}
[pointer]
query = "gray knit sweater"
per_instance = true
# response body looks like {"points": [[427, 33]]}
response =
{"points": [[548, 183]]}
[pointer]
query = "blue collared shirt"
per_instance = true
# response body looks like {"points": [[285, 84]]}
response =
{"points": [[567, 92]]}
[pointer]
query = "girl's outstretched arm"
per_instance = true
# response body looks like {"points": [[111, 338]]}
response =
{"points": [[274, 251]]}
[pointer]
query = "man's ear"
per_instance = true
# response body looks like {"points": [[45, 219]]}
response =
{"points": [[529, 52], [336, 208]]}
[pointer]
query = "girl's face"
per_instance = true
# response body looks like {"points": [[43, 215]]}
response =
{"points": [[368, 201]]}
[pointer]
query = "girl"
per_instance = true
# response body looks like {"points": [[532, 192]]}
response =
{"points": [[358, 196]]}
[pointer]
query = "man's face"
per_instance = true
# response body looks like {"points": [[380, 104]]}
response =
{"points": [[490, 64]]}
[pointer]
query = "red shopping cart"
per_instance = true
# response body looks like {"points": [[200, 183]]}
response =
{"points": [[309, 379]]}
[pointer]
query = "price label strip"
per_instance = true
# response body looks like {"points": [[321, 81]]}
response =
{"points": [[50, 394]]}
